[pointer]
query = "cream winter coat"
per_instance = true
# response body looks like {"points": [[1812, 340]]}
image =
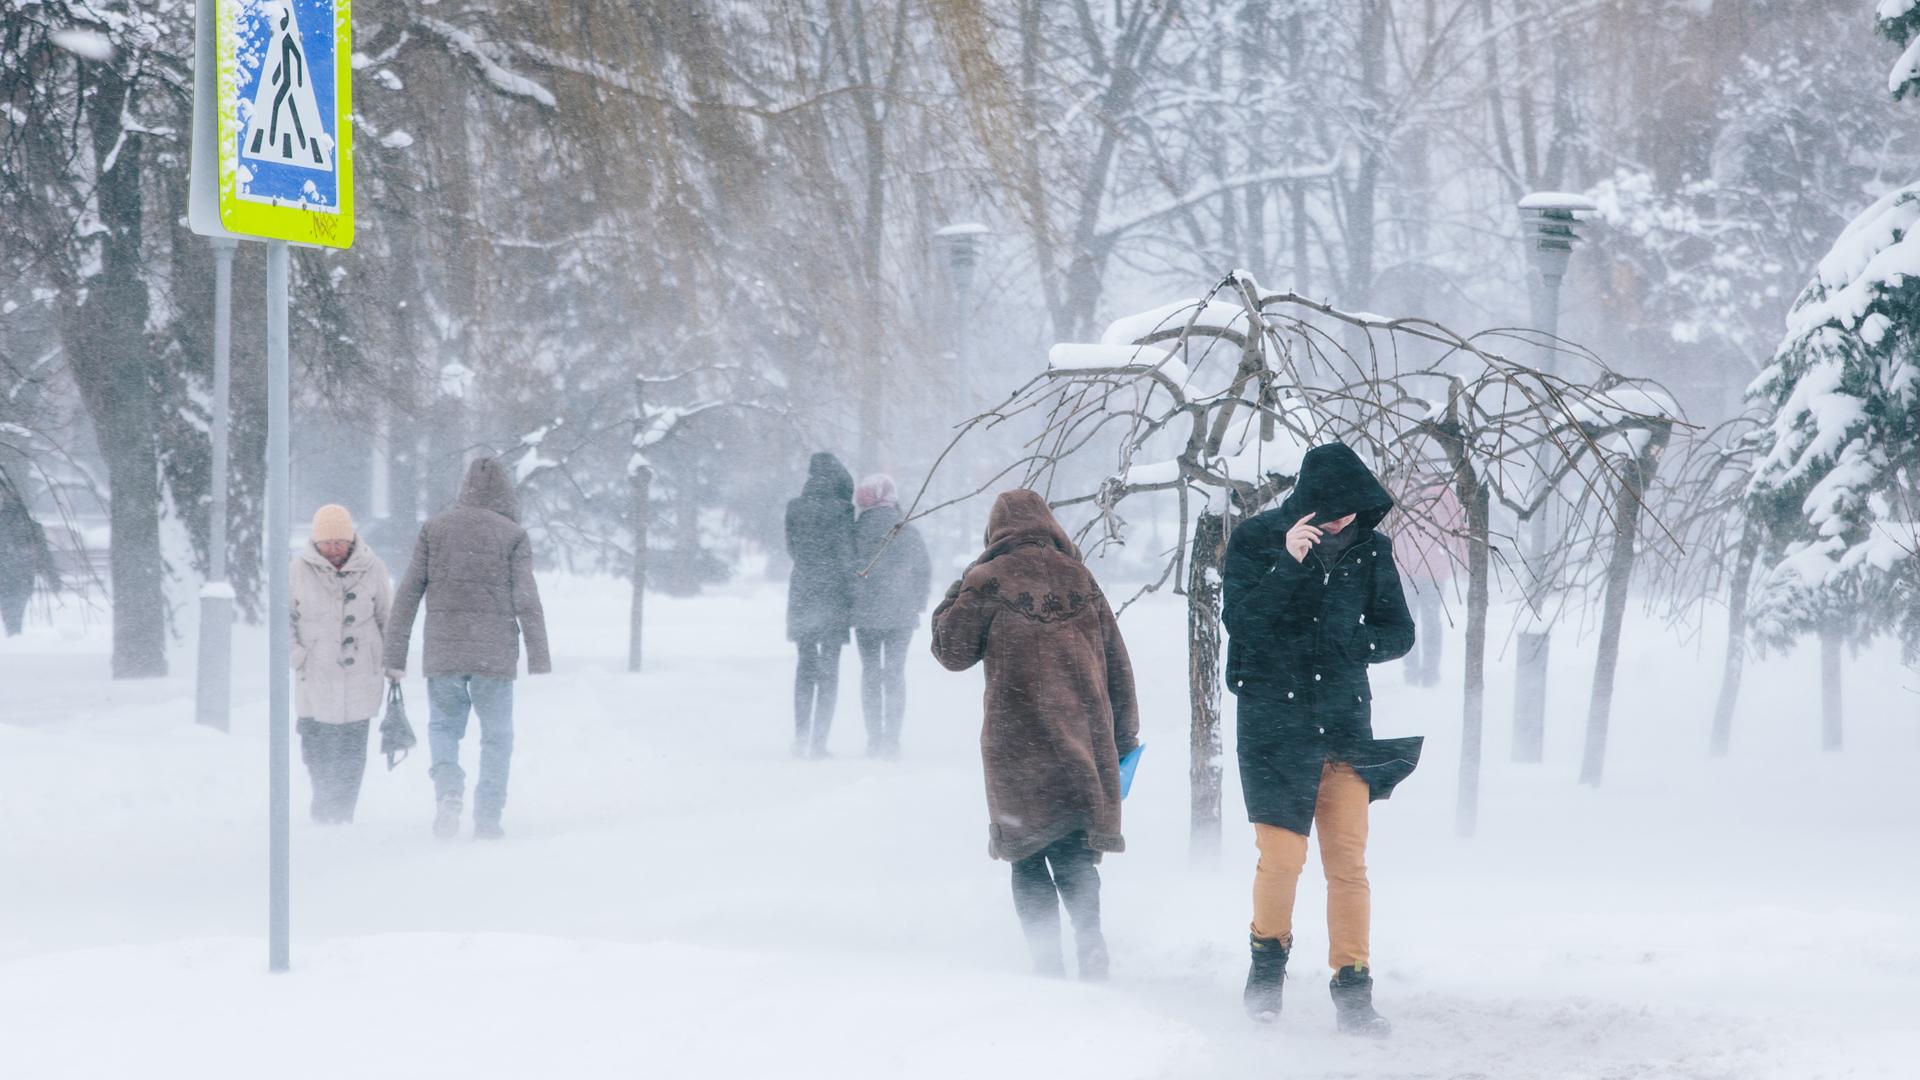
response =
{"points": [[339, 634]]}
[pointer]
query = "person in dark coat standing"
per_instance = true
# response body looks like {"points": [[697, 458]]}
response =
{"points": [[473, 567], [891, 576], [24, 556], [1311, 598], [819, 596], [1060, 714]]}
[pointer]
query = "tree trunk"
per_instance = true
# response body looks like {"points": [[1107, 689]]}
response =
{"points": [[1203, 685], [1722, 737], [1634, 480], [139, 600], [121, 381], [1361, 234], [640, 480], [1829, 689], [1475, 498]]}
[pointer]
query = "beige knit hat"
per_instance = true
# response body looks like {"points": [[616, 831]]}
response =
{"points": [[332, 522]]}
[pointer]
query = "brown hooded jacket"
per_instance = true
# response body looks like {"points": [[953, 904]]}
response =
{"points": [[1060, 709]]}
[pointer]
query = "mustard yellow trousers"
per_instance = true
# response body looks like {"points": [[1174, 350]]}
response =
{"points": [[1340, 817]]}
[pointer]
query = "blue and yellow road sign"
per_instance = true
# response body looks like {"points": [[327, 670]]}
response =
{"points": [[285, 94]]}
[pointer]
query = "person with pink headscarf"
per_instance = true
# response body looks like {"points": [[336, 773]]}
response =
{"points": [[891, 577]]}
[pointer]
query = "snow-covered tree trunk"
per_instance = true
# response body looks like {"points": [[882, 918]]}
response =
{"points": [[1476, 499], [1722, 738], [1203, 685], [640, 478], [1830, 716], [1635, 478], [104, 328]]}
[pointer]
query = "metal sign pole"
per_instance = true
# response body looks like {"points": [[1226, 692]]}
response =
{"points": [[214, 700], [279, 630]]}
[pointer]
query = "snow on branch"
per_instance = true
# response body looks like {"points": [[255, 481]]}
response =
{"points": [[1214, 190], [487, 57]]}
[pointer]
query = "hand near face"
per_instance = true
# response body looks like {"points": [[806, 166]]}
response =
{"points": [[1301, 538]]}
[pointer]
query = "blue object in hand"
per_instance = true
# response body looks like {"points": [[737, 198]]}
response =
{"points": [[1127, 765]]}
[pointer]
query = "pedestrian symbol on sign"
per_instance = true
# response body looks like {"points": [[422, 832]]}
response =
{"points": [[286, 125]]}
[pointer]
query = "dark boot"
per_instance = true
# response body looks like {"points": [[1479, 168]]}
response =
{"points": [[1092, 947], [1353, 1002], [1266, 978]]}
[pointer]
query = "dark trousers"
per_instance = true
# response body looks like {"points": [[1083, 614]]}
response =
{"points": [[336, 759], [816, 686], [883, 685], [1064, 872]]}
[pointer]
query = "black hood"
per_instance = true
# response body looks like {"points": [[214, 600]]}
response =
{"points": [[828, 479], [1333, 483], [490, 488]]}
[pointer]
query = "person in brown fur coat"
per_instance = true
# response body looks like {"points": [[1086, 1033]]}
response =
{"points": [[1060, 713]]}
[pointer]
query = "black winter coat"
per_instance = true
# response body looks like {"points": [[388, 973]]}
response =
{"points": [[820, 540], [890, 591], [1301, 635]]}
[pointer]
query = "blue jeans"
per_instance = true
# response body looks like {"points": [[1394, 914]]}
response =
{"points": [[449, 699]]}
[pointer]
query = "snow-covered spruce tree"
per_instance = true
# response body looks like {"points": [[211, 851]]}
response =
{"points": [[1839, 483]]}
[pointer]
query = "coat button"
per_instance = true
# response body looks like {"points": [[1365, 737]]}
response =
{"points": [[1316, 676], [345, 641], [1289, 695], [353, 596], [1360, 699], [348, 620], [348, 662]]}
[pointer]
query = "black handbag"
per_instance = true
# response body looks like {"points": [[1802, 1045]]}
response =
{"points": [[396, 735]]}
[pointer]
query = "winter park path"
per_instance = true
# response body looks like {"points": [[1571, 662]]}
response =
{"points": [[678, 897]]}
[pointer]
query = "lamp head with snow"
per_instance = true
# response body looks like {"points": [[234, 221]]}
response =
{"points": [[1548, 218], [961, 243]]}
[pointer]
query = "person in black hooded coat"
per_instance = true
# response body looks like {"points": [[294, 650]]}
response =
{"points": [[819, 596], [1312, 599]]}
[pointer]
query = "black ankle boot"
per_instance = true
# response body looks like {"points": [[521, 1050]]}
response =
{"points": [[1266, 978], [1352, 990]]}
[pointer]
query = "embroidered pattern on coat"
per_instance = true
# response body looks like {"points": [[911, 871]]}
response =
{"points": [[1050, 608]]}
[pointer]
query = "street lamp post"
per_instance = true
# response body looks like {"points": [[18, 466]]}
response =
{"points": [[1547, 218], [962, 243], [213, 689]]}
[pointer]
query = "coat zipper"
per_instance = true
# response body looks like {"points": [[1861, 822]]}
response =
{"points": [[1327, 578]]}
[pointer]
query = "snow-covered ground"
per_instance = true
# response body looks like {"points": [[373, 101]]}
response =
{"points": [[677, 897]]}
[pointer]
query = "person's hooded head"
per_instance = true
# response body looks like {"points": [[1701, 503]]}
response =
{"points": [[490, 488], [1020, 517], [876, 490], [828, 479], [1333, 483]]}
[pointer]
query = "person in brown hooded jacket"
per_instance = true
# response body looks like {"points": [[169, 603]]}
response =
{"points": [[473, 567], [1060, 713]]}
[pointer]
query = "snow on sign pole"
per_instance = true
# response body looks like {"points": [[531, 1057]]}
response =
{"points": [[278, 112]]}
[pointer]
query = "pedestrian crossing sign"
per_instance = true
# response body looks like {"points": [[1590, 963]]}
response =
{"points": [[284, 86]]}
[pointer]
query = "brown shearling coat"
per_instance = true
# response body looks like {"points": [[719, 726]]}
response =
{"points": [[473, 567], [1060, 708]]}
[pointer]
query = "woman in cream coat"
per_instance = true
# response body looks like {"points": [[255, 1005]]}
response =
{"points": [[340, 599]]}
